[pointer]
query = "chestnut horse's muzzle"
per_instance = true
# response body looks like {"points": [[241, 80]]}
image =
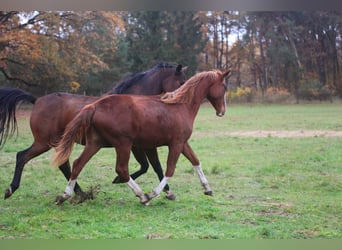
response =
{"points": [[220, 114]]}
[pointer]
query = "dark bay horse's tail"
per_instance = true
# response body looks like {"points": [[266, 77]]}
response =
{"points": [[74, 132], [10, 98]]}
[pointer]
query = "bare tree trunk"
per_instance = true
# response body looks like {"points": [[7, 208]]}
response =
{"points": [[263, 67], [289, 36]]}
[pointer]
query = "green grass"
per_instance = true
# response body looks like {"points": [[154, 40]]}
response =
{"points": [[274, 117], [264, 188]]}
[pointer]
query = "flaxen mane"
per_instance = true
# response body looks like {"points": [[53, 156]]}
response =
{"points": [[185, 93]]}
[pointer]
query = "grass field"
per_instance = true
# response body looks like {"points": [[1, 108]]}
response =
{"points": [[264, 188]]}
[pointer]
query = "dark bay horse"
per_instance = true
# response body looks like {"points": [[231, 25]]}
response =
{"points": [[51, 114], [124, 121]]}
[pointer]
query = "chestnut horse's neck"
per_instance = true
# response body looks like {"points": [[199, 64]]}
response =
{"points": [[192, 92], [200, 93]]}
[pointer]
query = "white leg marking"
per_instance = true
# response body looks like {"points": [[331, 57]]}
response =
{"points": [[137, 190], [69, 188], [159, 188], [203, 180], [225, 100], [135, 187]]}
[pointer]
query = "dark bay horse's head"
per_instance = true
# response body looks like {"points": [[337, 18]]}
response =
{"points": [[175, 80], [217, 93], [163, 77]]}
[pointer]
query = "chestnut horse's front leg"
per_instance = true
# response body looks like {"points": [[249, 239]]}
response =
{"points": [[144, 199], [152, 156], [191, 156], [174, 152]]}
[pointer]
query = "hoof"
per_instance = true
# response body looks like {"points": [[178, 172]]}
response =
{"points": [[8, 193], [60, 199], [146, 203], [78, 190], [170, 196], [210, 193], [118, 180], [145, 200], [81, 197], [79, 193]]}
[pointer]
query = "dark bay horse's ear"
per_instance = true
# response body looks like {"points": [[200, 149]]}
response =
{"points": [[179, 69]]}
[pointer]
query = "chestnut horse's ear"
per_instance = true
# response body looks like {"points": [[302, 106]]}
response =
{"points": [[226, 73]]}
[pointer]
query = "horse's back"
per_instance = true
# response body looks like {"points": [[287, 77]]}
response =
{"points": [[51, 113], [143, 120]]}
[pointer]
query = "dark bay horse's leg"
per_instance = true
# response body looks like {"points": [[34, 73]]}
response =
{"points": [[22, 158], [26, 155], [191, 156]]}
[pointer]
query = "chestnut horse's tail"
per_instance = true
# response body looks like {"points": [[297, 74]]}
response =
{"points": [[10, 98], [74, 132]]}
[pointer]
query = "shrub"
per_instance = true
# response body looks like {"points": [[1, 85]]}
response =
{"points": [[313, 90], [272, 95], [276, 95], [240, 95], [74, 86]]}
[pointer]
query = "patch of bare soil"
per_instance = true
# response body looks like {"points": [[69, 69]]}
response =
{"points": [[274, 133]]}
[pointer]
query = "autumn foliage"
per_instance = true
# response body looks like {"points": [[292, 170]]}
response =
{"points": [[272, 55]]}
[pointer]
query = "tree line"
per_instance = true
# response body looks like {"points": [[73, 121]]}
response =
{"points": [[88, 52]]}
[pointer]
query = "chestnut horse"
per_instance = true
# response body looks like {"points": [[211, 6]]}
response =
{"points": [[123, 121], [51, 114]]}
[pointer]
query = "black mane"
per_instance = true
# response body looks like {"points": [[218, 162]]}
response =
{"points": [[134, 78]]}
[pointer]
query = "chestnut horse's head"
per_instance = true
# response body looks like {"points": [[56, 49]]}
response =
{"points": [[217, 93]]}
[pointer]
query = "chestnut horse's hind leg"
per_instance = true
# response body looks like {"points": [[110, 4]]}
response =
{"points": [[88, 152], [66, 170], [191, 156], [121, 168], [152, 155], [140, 156]]}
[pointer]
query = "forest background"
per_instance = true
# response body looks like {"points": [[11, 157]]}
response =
{"points": [[274, 55]]}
